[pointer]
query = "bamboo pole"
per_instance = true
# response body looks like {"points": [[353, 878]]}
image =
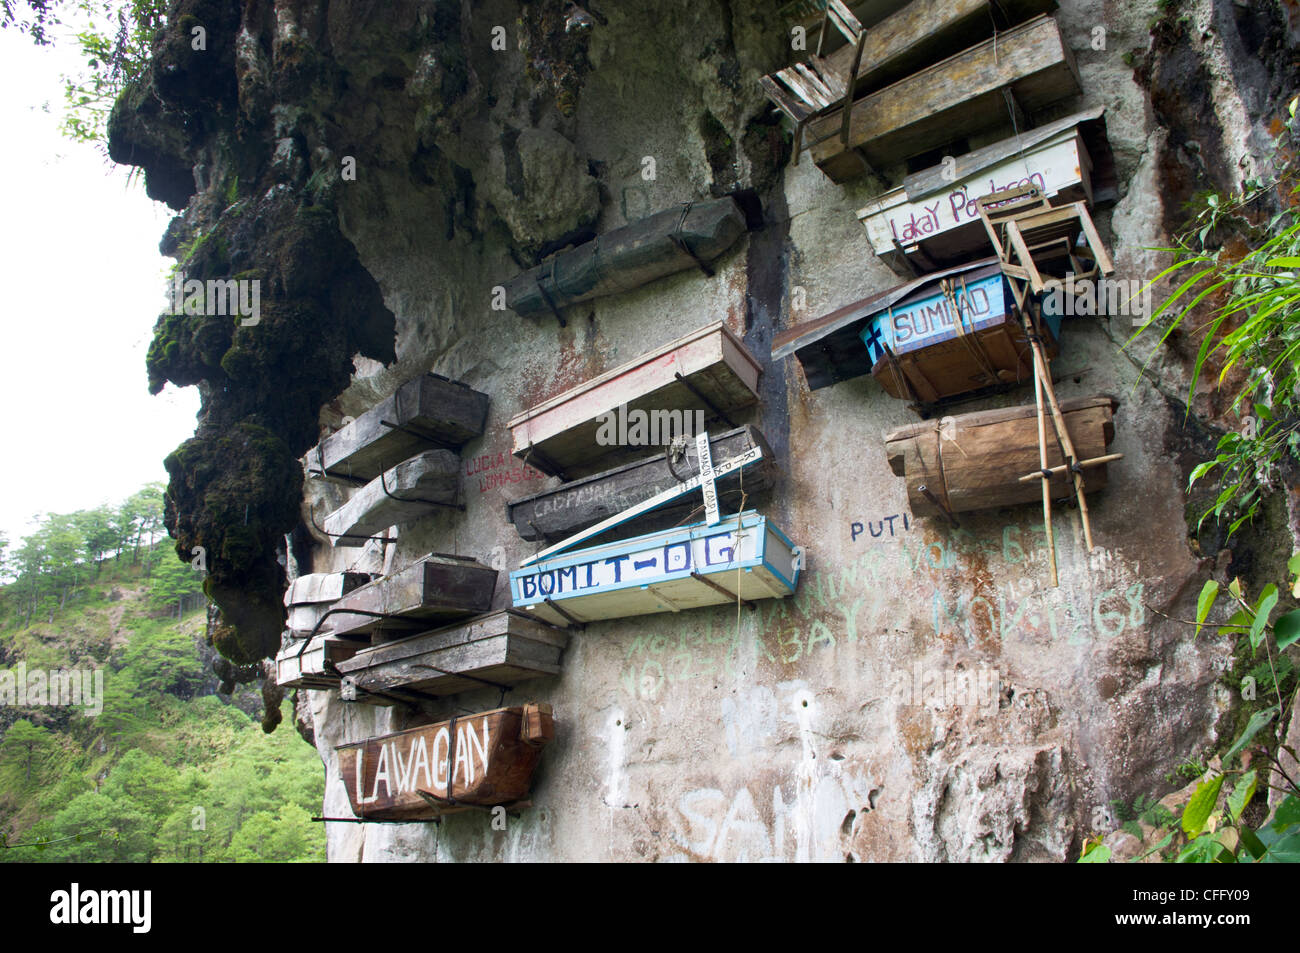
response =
{"points": [[1040, 366], [1042, 462]]}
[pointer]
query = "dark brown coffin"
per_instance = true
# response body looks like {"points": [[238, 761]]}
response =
{"points": [[490, 756], [558, 513], [436, 587], [496, 650], [975, 461], [429, 412]]}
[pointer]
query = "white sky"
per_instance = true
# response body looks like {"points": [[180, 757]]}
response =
{"points": [[82, 286]]}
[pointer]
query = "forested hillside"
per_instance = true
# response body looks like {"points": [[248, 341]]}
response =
{"points": [[168, 770]]}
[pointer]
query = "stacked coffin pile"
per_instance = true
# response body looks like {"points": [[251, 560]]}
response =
{"points": [[311, 649], [663, 399], [401, 455], [914, 82]]}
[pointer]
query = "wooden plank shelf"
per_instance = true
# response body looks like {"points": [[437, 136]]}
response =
{"points": [[953, 99], [308, 597], [425, 413], [976, 461], [687, 567], [676, 239], [472, 761], [497, 650], [413, 489], [708, 370], [555, 514], [313, 666], [931, 220], [436, 587]]}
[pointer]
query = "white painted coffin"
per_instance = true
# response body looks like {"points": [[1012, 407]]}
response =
{"points": [[946, 224], [311, 667], [559, 436], [682, 568]]}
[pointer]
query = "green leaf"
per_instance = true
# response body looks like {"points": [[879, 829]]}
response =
{"points": [[1293, 564], [1287, 628], [1205, 602], [1250, 840], [1237, 624], [1253, 727], [1283, 263], [1098, 855], [1267, 600], [1158, 847], [1241, 794], [1201, 805], [1280, 849], [1204, 850], [1287, 814]]}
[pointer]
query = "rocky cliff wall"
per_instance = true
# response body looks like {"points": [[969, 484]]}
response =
{"points": [[802, 730]]}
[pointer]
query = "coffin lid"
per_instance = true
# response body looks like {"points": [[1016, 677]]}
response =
{"points": [[999, 415], [829, 347], [1092, 127]]}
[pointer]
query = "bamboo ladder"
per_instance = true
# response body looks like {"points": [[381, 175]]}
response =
{"points": [[1020, 224]]}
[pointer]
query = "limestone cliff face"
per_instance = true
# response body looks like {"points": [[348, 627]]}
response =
{"points": [[790, 732]]}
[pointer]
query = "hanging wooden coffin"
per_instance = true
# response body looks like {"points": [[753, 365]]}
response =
{"points": [[924, 32], [682, 568], [498, 650], [667, 242], [437, 587], [425, 413], [474, 761], [708, 370], [961, 96], [932, 219], [413, 489], [313, 666], [309, 597], [976, 461], [557, 513], [951, 337]]}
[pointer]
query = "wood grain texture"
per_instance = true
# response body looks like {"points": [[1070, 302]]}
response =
{"points": [[477, 760], [433, 588], [632, 256], [501, 648], [447, 413], [981, 466], [951, 100], [431, 475]]}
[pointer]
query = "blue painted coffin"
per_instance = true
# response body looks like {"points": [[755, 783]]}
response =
{"points": [[936, 355], [744, 554]]}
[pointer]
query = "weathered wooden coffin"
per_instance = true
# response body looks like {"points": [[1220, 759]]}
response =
{"points": [[955, 98], [662, 244], [425, 413], [472, 761], [405, 493], [558, 513], [682, 568], [926, 31], [706, 367], [975, 461], [308, 597], [931, 220], [437, 587], [936, 355], [498, 650], [312, 666]]}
